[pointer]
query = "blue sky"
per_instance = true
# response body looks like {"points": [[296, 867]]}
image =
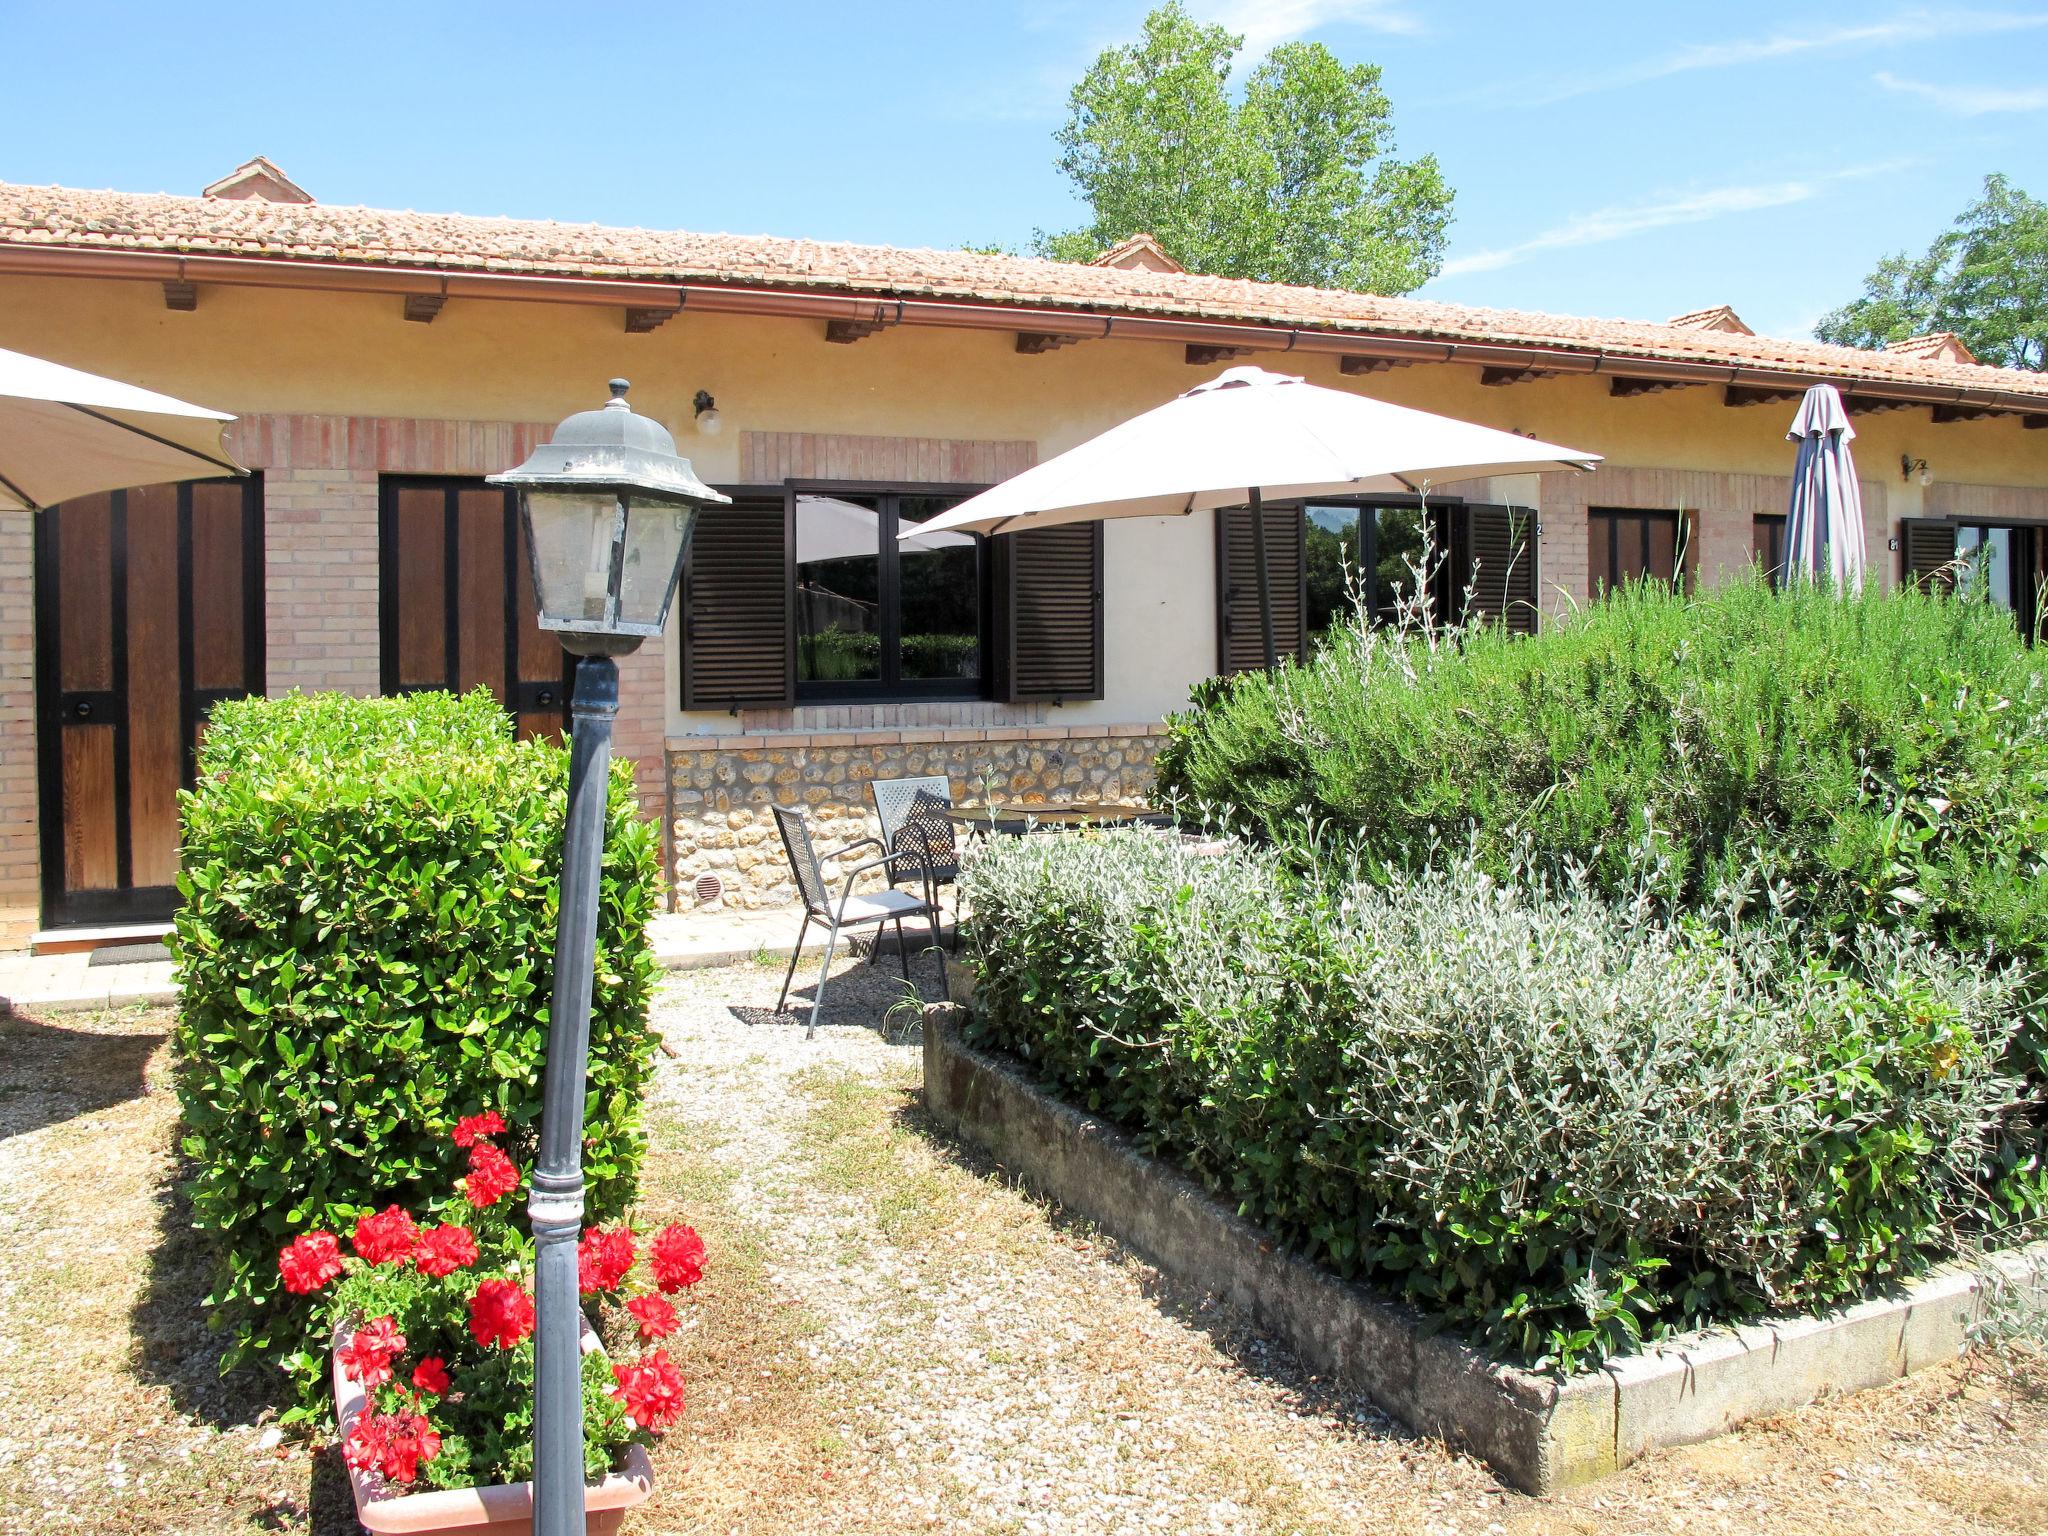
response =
{"points": [[1610, 159]]}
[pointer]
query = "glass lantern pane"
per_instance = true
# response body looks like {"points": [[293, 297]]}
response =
{"points": [[572, 554], [656, 533]]}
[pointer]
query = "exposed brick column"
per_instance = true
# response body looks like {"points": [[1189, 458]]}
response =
{"points": [[20, 877], [321, 558]]}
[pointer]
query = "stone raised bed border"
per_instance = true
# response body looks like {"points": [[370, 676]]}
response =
{"points": [[1538, 1433]]}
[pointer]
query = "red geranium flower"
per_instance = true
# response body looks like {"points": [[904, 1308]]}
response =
{"points": [[652, 1390], [309, 1262], [676, 1256], [385, 1237], [367, 1357], [655, 1314], [491, 1176], [431, 1375], [471, 1129], [602, 1259], [500, 1313], [363, 1446], [444, 1250], [391, 1443]]}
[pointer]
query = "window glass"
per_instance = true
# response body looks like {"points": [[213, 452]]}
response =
{"points": [[1401, 560], [838, 589], [1332, 555], [1988, 553], [939, 596]]}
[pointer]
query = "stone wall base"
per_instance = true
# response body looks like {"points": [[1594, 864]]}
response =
{"points": [[721, 788]]}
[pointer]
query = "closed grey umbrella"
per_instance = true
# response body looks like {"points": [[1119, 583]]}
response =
{"points": [[1824, 523]]}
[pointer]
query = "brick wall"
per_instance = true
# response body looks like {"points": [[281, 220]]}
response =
{"points": [[722, 787], [20, 888], [1723, 505], [320, 552]]}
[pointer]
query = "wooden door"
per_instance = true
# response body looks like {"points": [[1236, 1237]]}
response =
{"points": [[149, 611], [457, 600]]}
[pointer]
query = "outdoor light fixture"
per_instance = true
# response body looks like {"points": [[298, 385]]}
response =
{"points": [[608, 509], [708, 419], [1908, 465]]}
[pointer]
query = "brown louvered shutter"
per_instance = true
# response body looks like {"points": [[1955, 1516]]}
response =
{"points": [[1049, 613], [1240, 639], [1501, 573], [1926, 548], [738, 619]]}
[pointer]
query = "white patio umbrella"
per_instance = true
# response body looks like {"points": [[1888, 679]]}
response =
{"points": [[1240, 438], [831, 528], [1824, 522], [66, 433]]}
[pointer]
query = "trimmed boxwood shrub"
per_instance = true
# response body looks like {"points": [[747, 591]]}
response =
{"points": [[365, 955], [1558, 1122]]}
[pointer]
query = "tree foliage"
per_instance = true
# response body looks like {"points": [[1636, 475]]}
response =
{"points": [[1293, 183], [1985, 278]]}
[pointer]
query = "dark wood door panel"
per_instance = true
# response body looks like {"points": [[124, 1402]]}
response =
{"points": [[457, 599], [148, 612]]}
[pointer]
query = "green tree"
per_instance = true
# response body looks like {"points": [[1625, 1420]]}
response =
{"points": [[1985, 278], [1294, 183]]}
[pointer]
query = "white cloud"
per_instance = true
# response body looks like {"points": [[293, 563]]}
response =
{"points": [[1967, 100], [1619, 222], [1912, 26], [1266, 23]]}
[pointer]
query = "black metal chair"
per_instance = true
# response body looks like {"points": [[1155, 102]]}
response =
{"points": [[915, 816], [880, 908]]}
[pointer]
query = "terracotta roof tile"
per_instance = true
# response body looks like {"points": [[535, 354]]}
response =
{"points": [[1720, 318], [1945, 346], [65, 217]]}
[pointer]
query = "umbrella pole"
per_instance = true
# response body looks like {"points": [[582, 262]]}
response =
{"points": [[1265, 580]]}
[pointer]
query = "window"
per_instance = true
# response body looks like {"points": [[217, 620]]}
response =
{"points": [[881, 618], [1767, 546], [1380, 559], [1459, 559], [1629, 544]]}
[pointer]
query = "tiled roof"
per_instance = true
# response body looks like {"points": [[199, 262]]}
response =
{"points": [[1945, 345], [47, 217], [1720, 318]]}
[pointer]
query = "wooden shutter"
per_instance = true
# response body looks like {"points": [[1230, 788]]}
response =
{"points": [[1049, 613], [1926, 548], [1501, 564], [738, 607], [1240, 638]]}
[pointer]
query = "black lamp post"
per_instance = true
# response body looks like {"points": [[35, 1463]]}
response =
{"points": [[608, 509]]}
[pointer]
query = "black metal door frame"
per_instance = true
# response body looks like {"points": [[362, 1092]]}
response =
{"points": [[55, 707], [519, 698]]}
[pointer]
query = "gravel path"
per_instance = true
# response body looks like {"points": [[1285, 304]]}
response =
{"points": [[889, 1338], [992, 1366]]}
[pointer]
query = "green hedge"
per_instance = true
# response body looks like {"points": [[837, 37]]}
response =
{"points": [[364, 955], [1558, 1122], [1849, 762]]}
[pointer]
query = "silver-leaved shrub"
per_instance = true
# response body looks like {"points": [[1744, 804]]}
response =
{"points": [[1557, 1119]]}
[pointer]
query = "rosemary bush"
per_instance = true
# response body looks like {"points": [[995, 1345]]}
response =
{"points": [[1854, 763], [1557, 1119]]}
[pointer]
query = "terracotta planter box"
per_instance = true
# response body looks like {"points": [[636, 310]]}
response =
{"points": [[502, 1509]]}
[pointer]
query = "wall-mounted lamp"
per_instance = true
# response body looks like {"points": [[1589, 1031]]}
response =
{"points": [[708, 419], [1908, 467]]}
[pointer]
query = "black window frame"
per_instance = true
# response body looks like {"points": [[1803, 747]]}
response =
{"points": [[891, 687], [1365, 538]]}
